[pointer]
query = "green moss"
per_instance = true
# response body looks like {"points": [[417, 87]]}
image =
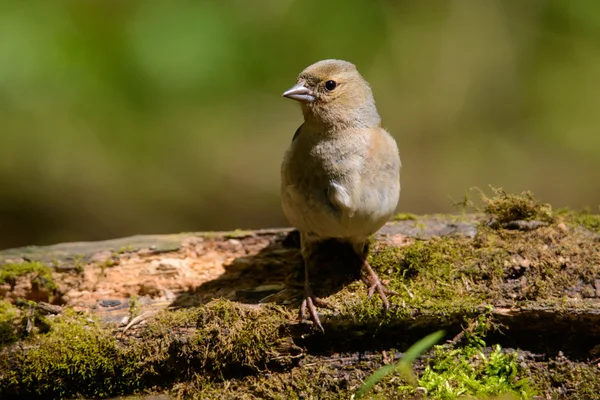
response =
{"points": [[404, 217], [312, 380], [585, 218], [426, 278], [229, 337], [506, 207], [301, 383], [77, 356], [474, 371], [81, 356], [20, 320], [42, 273], [125, 249], [458, 276], [238, 336], [448, 373], [79, 262], [471, 372], [561, 378], [134, 306], [9, 322]]}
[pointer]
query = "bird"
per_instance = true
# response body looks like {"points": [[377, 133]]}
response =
{"points": [[340, 176]]}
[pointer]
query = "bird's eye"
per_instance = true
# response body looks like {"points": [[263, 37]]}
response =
{"points": [[330, 85]]}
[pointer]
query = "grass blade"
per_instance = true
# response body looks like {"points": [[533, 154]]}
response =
{"points": [[403, 365]]}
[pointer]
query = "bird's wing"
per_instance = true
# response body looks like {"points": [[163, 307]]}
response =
{"points": [[340, 198], [297, 132]]}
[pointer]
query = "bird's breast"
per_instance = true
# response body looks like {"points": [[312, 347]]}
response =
{"points": [[328, 187]]}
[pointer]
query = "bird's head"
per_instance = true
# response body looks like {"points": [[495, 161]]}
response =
{"points": [[334, 96]]}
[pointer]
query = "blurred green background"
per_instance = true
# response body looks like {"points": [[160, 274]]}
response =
{"points": [[147, 117]]}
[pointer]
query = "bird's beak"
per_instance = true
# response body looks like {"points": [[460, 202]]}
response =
{"points": [[300, 93]]}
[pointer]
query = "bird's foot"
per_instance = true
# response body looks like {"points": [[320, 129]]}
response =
{"points": [[375, 284], [309, 305]]}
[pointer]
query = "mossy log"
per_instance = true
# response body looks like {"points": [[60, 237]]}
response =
{"points": [[214, 314]]}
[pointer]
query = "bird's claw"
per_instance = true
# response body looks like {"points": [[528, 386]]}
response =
{"points": [[382, 290], [374, 283], [309, 304]]}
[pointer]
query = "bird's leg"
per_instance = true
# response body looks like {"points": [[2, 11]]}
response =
{"points": [[310, 302], [370, 277], [375, 284]]}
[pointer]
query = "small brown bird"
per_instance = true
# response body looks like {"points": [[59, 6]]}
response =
{"points": [[340, 177]]}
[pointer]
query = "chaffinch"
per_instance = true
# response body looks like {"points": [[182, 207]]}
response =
{"points": [[340, 177]]}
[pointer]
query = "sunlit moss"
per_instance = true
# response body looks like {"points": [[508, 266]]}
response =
{"points": [[9, 316], [506, 207], [237, 336], [42, 273], [473, 370], [134, 306], [78, 355], [83, 356], [585, 218], [451, 276], [404, 217]]}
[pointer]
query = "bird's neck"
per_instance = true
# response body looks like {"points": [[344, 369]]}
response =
{"points": [[334, 119]]}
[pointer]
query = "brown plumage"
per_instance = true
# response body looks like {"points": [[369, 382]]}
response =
{"points": [[340, 178]]}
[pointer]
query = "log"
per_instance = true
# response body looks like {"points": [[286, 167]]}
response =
{"points": [[186, 304]]}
